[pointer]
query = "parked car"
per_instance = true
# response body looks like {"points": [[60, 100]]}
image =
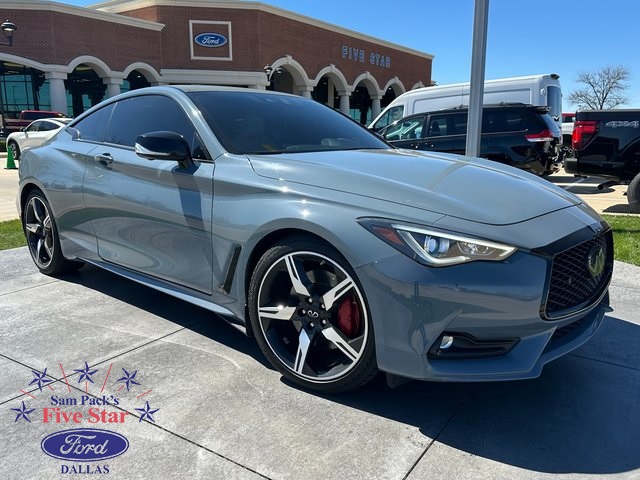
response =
{"points": [[25, 117], [340, 255], [515, 134], [34, 135]]}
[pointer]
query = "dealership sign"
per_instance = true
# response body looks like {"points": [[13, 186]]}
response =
{"points": [[84, 445], [356, 54], [210, 40]]}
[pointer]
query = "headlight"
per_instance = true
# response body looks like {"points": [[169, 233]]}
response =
{"points": [[433, 247]]}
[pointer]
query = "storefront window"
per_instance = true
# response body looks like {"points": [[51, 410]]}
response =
{"points": [[22, 88]]}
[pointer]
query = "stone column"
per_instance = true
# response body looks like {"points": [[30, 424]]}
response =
{"points": [[375, 105], [113, 86], [304, 91], [57, 92], [344, 101], [330, 94]]}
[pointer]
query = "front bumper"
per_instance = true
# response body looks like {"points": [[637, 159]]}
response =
{"points": [[412, 306]]}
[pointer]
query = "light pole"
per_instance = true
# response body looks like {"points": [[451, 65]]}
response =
{"points": [[270, 72], [7, 28]]}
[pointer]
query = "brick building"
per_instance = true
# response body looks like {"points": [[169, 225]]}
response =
{"points": [[68, 58]]}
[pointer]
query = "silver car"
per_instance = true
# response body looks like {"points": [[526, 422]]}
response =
{"points": [[342, 256]]}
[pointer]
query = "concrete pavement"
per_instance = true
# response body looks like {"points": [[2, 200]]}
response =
{"points": [[219, 411]]}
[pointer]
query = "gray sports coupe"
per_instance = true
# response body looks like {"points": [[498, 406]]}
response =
{"points": [[341, 255]]}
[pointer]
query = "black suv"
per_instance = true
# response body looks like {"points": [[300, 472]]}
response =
{"points": [[516, 134]]}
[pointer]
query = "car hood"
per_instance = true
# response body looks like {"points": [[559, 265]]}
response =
{"points": [[469, 188]]}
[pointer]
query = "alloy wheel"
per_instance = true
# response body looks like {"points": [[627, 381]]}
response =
{"points": [[313, 316], [39, 232]]}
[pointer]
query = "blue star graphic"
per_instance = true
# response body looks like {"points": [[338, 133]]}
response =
{"points": [[40, 379], [85, 373], [129, 379], [147, 413], [23, 412]]}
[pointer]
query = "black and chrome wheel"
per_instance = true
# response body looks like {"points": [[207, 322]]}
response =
{"points": [[42, 237], [310, 317], [15, 150]]}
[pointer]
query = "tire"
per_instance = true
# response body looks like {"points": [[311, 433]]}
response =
{"points": [[310, 317], [633, 194], [15, 150], [42, 237]]}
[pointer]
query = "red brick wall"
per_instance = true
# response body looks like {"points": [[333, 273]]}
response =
{"points": [[258, 38], [57, 38]]}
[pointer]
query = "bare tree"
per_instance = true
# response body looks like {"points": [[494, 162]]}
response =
{"points": [[605, 88]]}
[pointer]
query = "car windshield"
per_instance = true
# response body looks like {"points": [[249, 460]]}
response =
{"points": [[256, 123]]}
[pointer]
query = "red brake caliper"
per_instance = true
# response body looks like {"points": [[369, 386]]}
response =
{"points": [[349, 317]]}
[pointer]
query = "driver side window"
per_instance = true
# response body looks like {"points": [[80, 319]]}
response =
{"points": [[151, 113]]}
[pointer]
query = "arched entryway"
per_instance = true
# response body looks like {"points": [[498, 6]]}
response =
{"points": [[388, 97], [281, 81], [84, 89], [360, 105], [134, 81], [325, 92]]}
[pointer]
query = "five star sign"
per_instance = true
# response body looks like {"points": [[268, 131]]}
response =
{"points": [[128, 379]]}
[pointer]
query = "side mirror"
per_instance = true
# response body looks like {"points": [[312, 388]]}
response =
{"points": [[75, 134], [163, 146]]}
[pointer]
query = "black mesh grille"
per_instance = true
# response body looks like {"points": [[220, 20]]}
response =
{"points": [[572, 284]]}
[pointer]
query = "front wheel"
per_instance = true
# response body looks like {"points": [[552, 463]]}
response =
{"points": [[633, 194], [310, 317], [42, 237]]}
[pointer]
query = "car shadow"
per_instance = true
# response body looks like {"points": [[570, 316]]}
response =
{"points": [[580, 417], [620, 208], [179, 312]]}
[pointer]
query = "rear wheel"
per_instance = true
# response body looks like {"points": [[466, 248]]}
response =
{"points": [[310, 317], [42, 237]]}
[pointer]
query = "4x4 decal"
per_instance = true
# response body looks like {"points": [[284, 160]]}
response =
{"points": [[621, 124]]}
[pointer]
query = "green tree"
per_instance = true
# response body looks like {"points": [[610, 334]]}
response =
{"points": [[603, 89]]}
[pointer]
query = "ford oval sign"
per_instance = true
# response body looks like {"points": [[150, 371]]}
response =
{"points": [[84, 445], [210, 40]]}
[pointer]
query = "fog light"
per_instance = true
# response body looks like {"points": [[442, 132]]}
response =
{"points": [[463, 345], [446, 342]]}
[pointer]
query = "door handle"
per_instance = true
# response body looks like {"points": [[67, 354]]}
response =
{"points": [[104, 158]]}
